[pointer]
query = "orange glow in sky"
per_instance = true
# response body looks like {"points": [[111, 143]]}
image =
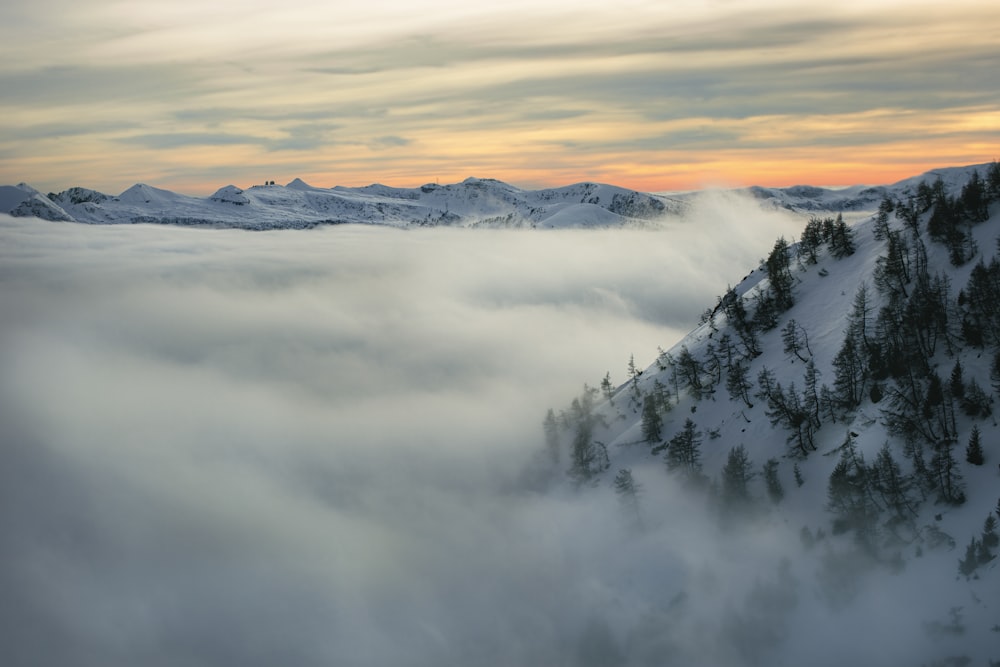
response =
{"points": [[649, 95]]}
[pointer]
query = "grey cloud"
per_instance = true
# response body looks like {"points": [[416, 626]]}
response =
{"points": [[253, 449], [80, 84], [389, 141], [302, 137], [313, 448], [167, 140]]}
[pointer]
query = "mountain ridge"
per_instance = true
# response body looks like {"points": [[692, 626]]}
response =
{"points": [[474, 202]]}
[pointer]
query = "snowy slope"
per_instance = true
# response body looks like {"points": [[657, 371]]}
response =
{"points": [[472, 203], [910, 568]]}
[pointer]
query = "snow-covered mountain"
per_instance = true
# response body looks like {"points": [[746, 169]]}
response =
{"points": [[843, 393], [472, 203]]}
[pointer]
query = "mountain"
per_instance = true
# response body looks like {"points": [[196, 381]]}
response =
{"points": [[839, 401], [472, 203]]}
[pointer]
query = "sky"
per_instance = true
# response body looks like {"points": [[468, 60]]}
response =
{"points": [[192, 95]]}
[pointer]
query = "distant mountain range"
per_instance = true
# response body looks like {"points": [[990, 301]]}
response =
{"points": [[472, 203]]}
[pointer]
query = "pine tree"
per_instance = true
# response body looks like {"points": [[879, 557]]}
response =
{"points": [[990, 537], [849, 497], [792, 339], [627, 490], [841, 239], [849, 374], [652, 426], [774, 489], [890, 484], [967, 566], [684, 451], [881, 229], [859, 321], [975, 402], [736, 476], [607, 388], [974, 450], [779, 275], [974, 199], [947, 478], [983, 554], [690, 370], [588, 458], [812, 238], [957, 381], [633, 374], [797, 473], [551, 436], [738, 384]]}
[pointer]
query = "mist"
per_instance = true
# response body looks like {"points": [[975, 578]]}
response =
{"points": [[232, 448]]}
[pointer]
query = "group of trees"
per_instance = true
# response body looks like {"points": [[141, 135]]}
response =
{"points": [[897, 333]]}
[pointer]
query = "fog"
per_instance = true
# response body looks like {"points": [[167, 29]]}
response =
{"points": [[304, 448]]}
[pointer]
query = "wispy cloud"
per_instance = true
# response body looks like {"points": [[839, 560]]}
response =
{"points": [[491, 87], [255, 449]]}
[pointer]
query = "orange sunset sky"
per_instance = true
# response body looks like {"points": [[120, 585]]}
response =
{"points": [[654, 96]]}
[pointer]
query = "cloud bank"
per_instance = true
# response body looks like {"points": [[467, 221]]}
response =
{"points": [[309, 448]]}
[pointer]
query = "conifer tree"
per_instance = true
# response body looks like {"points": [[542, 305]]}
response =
{"points": [[841, 238], [774, 489], [684, 451], [627, 490], [990, 537], [812, 238], [588, 458], [947, 478], [738, 383], [607, 388], [881, 229], [795, 341], [551, 436], [892, 486], [967, 565], [849, 497], [736, 476], [633, 375], [849, 374], [779, 275], [974, 450], [957, 380], [652, 426], [689, 370]]}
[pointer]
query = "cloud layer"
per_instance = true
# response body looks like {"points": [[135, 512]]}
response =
{"points": [[314, 448], [249, 449], [640, 94]]}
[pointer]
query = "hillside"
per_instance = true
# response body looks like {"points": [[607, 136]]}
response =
{"points": [[472, 203], [832, 421]]}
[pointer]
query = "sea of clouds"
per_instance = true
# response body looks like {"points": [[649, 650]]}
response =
{"points": [[315, 447]]}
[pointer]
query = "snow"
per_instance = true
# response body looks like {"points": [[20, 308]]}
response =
{"points": [[11, 196], [474, 202]]}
